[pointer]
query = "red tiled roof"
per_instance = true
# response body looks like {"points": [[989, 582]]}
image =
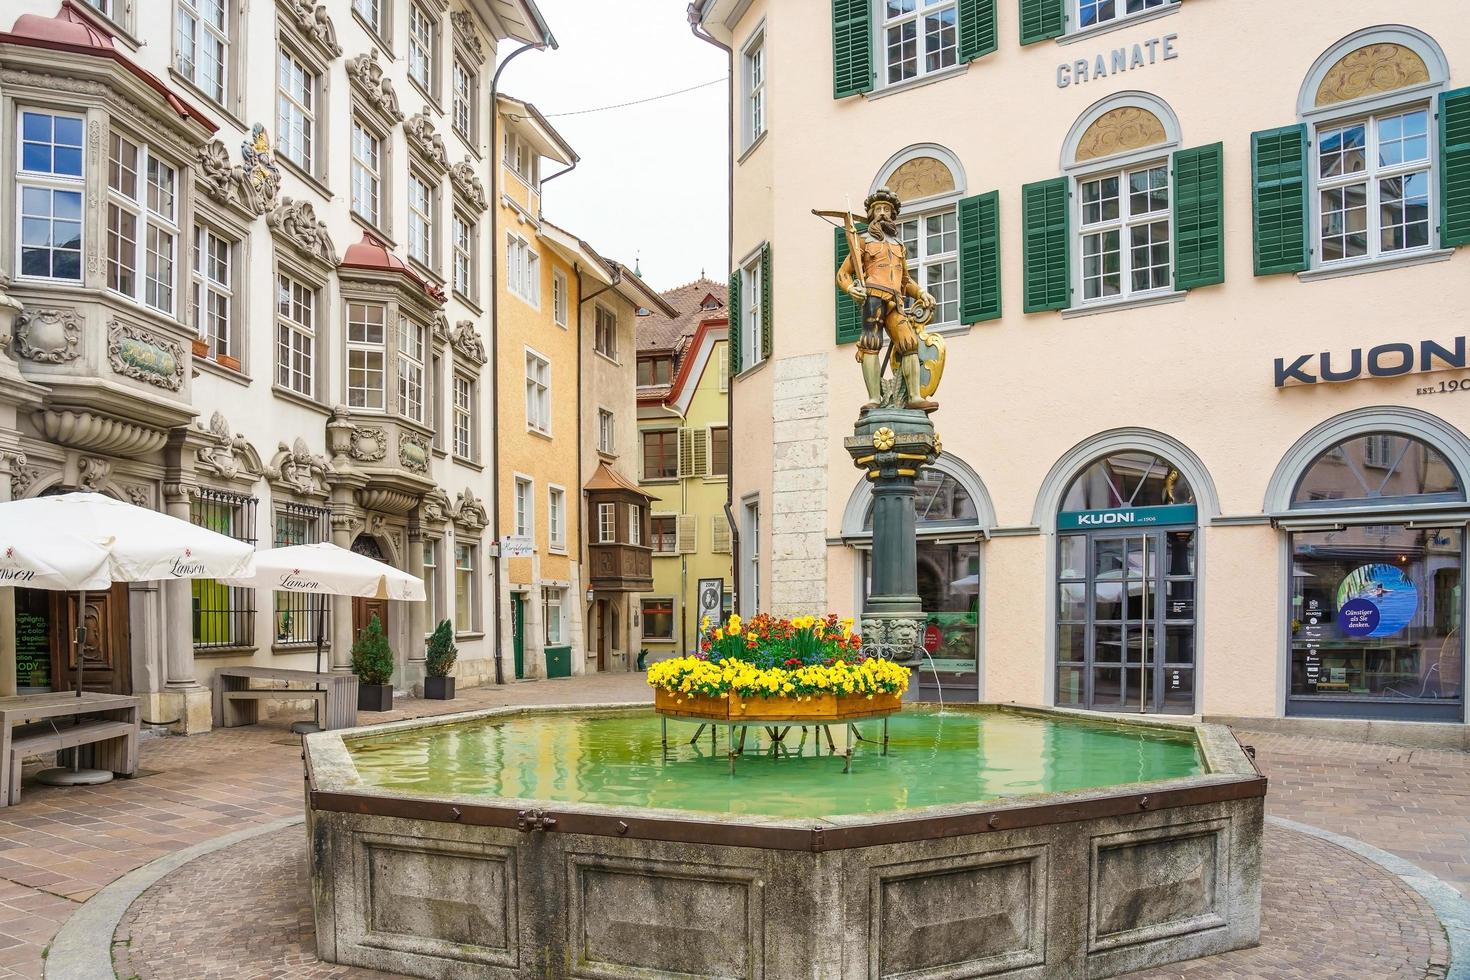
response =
{"points": [[657, 333], [372, 253], [71, 30]]}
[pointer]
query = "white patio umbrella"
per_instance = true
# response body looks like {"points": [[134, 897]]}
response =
{"points": [[84, 542], [325, 569]]}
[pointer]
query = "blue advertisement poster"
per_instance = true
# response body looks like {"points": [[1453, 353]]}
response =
{"points": [[1375, 601]]}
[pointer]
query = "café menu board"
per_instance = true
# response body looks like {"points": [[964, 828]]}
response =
{"points": [[32, 650]]}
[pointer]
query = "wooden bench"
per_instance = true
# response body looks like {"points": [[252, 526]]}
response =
{"points": [[237, 703], [36, 724]]}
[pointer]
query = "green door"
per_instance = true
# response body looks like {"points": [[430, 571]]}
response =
{"points": [[518, 631]]}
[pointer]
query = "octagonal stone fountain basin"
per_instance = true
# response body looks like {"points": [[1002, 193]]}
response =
{"points": [[990, 841]]}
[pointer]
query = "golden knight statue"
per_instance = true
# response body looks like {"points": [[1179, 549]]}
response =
{"points": [[876, 275]]}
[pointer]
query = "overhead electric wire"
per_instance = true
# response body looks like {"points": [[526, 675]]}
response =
{"points": [[624, 105]]}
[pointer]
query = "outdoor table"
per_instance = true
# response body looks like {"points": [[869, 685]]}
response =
{"points": [[237, 703], [36, 723]]}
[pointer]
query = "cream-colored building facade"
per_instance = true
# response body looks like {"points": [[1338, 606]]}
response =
{"points": [[247, 276], [1198, 270]]}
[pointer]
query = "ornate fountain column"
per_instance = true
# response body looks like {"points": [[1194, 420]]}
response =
{"points": [[891, 445]]}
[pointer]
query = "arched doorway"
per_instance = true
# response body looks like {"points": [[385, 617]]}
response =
{"points": [[363, 610], [1127, 530]]}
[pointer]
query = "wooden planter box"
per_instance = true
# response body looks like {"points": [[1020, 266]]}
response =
{"points": [[820, 709]]}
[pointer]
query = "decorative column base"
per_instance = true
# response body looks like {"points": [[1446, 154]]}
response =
{"points": [[893, 445], [190, 708]]}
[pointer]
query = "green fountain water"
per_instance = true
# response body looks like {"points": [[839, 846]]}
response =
{"points": [[935, 758]]}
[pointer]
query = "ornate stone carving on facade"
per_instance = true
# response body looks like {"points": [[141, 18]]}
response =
{"points": [[439, 323], [312, 20], [919, 178], [252, 186], [434, 508], [467, 341], [228, 455], [93, 473], [1369, 70], [468, 512], [297, 469], [896, 639], [95, 432], [464, 31], [1118, 130], [367, 74], [139, 495], [467, 184], [22, 478], [413, 452], [49, 336], [297, 223], [144, 356], [423, 138], [369, 443]]}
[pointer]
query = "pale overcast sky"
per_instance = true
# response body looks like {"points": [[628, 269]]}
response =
{"points": [[651, 181]]}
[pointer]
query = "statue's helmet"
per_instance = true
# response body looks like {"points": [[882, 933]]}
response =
{"points": [[887, 197]]}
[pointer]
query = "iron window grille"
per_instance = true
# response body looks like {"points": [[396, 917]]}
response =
{"points": [[296, 614], [224, 615]]}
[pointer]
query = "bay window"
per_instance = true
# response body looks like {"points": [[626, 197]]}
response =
{"points": [[635, 524], [366, 356], [49, 186], [607, 523], [142, 229], [410, 369]]}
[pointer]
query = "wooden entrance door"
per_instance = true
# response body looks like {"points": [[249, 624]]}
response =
{"points": [[107, 663], [604, 633], [363, 611]]}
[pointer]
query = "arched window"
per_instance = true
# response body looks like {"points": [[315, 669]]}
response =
{"points": [[1133, 478], [1368, 103], [929, 182], [941, 500], [1379, 469]]}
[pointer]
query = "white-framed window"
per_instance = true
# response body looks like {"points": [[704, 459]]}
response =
{"points": [[525, 517], [213, 298], [552, 613], [422, 39], [750, 570], [753, 58], [49, 188], [142, 224], [522, 159], [918, 37], [366, 356], [605, 331], [367, 163], [464, 416], [932, 243], [463, 98], [295, 335], [559, 297], [410, 368], [538, 392], [556, 518], [607, 523], [664, 529], [466, 589], [432, 586], [202, 44], [375, 13], [297, 85], [466, 243], [1375, 188], [421, 204], [1091, 13], [750, 313], [606, 432], [635, 524], [1123, 232], [522, 269]]}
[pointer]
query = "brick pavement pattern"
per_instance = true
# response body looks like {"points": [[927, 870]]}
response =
{"points": [[62, 844], [246, 913]]}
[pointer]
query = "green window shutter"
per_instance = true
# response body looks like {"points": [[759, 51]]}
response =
{"points": [[732, 330], [980, 257], [1042, 20], [849, 317], [765, 300], [1454, 167], [978, 35], [1044, 222], [1199, 216], [852, 47], [1279, 199]]}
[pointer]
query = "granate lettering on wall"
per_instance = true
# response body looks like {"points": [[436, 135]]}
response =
{"points": [[1117, 61], [1382, 361]]}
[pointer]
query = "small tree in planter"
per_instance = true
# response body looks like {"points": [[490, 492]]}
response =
{"points": [[440, 658], [372, 662]]}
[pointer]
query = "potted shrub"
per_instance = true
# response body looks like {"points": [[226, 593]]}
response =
{"points": [[372, 662], [440, 658]]}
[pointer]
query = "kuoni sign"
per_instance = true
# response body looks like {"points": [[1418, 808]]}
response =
{"points": [[1382, 361], [1126, 517]]}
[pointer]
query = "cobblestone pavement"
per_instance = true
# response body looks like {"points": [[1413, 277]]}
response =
{"points": [[246, 913], [61, 844]]}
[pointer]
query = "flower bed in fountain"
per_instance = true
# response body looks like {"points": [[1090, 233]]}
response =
{"points": [[809, 668]]}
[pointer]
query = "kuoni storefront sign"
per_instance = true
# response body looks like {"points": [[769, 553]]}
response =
{"points": [[1126, 517], [1381, 361]]}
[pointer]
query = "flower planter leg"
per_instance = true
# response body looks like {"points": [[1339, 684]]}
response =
{"points": [[847, 760], [698, 732], [831, 746], [730, 747], [666, 733], [885, 734]]}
